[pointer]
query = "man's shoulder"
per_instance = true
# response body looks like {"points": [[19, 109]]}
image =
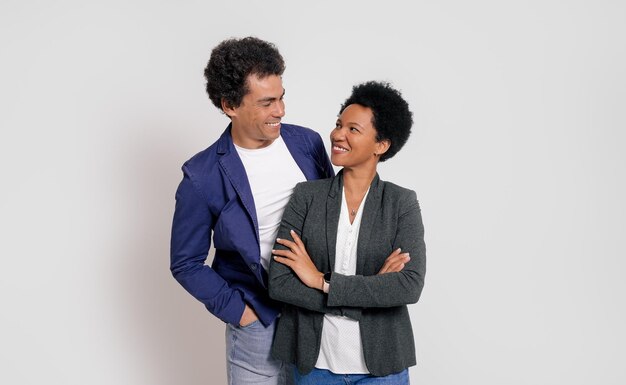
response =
{"points": [[204, 158], [295, 130], [209, 156]]}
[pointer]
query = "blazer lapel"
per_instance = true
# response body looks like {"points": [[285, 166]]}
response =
{"points": [[333, 209], [370, 212], [297, 146], [236, 173]]}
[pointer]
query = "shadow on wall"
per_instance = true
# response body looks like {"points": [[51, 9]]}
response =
{"points": [[177, 339]]}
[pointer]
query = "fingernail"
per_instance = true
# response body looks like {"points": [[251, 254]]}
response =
{"points": [[278, 239], [291, 231], [399, 249]]}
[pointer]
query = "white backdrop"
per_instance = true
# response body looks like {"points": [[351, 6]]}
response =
{"points": [[517, 159]]}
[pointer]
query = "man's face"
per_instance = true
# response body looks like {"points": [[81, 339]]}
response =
{"points": [[256, 122]]}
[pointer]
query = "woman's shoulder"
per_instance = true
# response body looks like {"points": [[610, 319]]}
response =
{"points": [[313, 186], [392, 188], [401, 196]]}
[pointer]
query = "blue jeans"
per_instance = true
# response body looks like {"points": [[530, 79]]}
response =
{"points": [[248, 359], [326, 377]]}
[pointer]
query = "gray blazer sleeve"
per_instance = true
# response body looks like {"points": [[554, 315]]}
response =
{"points": [[391, 289], [284, 284]]}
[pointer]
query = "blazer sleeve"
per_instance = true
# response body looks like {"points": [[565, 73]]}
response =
{"points": [[323, 159], [284, 284], [190, 243], [391, 289]]}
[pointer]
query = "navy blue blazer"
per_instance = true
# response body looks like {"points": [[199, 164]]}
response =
{"points": [[214, 199]]}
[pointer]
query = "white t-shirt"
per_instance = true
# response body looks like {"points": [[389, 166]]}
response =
{"points": [[341, 349], [272, 173]]}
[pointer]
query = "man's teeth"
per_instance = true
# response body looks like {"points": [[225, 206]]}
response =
{"points": [[273, 124], [340, 148]]}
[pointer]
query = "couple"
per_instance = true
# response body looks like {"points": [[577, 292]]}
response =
{"points": [[316, 274]]}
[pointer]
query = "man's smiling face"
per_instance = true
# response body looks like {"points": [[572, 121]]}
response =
{"points": [[256, 121]]}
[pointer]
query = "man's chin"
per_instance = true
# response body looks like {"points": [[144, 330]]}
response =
{"points": [[272, 133]]}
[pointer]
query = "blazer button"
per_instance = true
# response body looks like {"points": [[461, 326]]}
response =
{"points": [[253, 266]]}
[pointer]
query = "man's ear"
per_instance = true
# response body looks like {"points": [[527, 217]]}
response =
{"points": [[382, 146], [228, 109]]}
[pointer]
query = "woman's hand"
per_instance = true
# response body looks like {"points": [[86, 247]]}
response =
{"points": [[297, 258], [395, 262]]}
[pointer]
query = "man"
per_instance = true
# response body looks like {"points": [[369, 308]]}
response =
{"points": [[235, 191]]}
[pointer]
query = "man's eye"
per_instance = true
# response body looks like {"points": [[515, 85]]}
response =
{"points": [[354, 129]]}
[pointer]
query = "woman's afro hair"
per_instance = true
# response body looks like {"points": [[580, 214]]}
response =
{"points": [[392, 118]]}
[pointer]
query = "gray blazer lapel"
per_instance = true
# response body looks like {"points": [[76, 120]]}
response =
{"points": [[333, 209], [370, 212]]}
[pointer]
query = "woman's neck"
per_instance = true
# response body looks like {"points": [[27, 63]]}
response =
{"points": [[357, 181]]}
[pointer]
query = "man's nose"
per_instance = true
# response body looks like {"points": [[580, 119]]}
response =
{"points": [[279, 109]]}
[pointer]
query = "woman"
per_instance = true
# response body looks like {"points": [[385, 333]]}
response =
{"points": [[350, 255]]}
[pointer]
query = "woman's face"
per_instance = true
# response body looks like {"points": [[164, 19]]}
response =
{"points": [[353, 141]]}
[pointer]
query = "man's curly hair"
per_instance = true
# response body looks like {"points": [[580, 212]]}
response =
{"points": [[392, 118], [232, 61]]}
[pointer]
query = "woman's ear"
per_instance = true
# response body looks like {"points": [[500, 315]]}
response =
{"points": [[382, 147]]}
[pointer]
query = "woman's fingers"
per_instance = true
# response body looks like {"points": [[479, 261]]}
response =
{"points": [[283, 260], [297, 246], [398, 263], [389, 260], [285, 254], [296, 238], [297, 258], [286, 243], [395, 262], [289, 244]]}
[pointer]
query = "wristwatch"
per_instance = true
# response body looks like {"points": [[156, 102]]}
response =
{"points": [[326, 285]]}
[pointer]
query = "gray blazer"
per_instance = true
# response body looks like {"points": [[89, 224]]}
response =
{"points": [[391, 219]]}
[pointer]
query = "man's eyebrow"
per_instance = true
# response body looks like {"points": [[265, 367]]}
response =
{"points": [[270, 98]]}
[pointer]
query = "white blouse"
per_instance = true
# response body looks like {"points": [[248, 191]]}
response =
{"points": [[341, 349]]}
